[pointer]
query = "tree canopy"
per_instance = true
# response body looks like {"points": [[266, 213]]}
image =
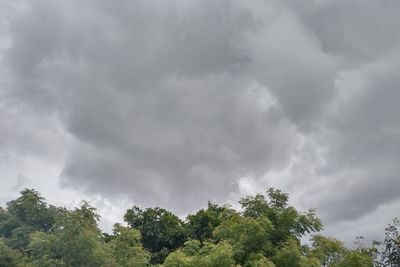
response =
{"points": [[267, 232]]}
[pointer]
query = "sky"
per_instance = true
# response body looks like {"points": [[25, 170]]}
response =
{"points": [[174, 103]]}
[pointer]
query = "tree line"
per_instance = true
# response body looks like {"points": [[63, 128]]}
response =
{"points": [[266, 232]]}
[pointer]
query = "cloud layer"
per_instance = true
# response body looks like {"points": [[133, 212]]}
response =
{"points": [[176, 103]]}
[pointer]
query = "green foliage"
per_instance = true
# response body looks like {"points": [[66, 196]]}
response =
{"points": [[161, 230], [258, 260], [8, 256], [355, 259], [42, 245], [126, 248], [265, 234], [391, 253], [246, 236], [327, 250], [8, 223], [209, 255], [31, 209], [290, 255], [19, 238], [331, 252], [178, 259], [46, 261], [77, 237], [219, 255], [202, 224], [287, 221]]}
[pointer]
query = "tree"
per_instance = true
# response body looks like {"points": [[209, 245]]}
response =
{"points": [[266, 233], [126, 248], [289, 255], [208, 255], [391, 244], [327, 250], [161, 230], [258, 260], [25, 215], [202, 224], [287, 221], [31, 209], [355, 258], [76, 237], [43, 246], [8, 257], [246, 236], [331, 252], [19, 238], [8, 223]]}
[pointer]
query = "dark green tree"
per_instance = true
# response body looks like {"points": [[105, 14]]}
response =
{"points": [[161, 230], [202, 224], [31, 209], [8, 256], [391, 244], [8, 223], [19, 238]]}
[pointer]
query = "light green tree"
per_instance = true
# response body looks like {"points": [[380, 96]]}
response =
{"points": [[246, 236], [287, 221], [8, 256], [127, 249], [208, 255], [327, 250], [290, 255]]}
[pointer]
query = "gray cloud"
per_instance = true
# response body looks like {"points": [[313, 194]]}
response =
{"points": [[153, 95], [173, 104], [364, 137], [357, 31]]}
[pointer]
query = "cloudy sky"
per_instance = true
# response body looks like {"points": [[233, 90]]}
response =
{"points": [[173, 103]]}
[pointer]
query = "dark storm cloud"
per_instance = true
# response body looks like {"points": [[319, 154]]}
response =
{"points": [[153, 95], [197, 146], [173, 103]]}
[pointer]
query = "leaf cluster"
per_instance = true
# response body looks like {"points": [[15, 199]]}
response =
{"points": [[266, 232]]}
